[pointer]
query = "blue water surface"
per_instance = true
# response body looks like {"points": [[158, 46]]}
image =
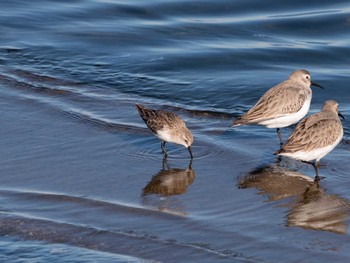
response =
{"points": [[82, 179]]}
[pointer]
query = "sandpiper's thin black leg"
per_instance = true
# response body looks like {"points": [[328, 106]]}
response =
{"points": [[280, 136], [190, 151], [162, 144], [190, 165], [165, 165], [315, 165], [317, 181], [278, 159]]}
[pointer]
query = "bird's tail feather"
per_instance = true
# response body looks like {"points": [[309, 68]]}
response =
{"points": [[277, 152], [238, 122]]}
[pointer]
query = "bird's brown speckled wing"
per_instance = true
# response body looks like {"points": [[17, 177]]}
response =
{"points": [[316, 131], [158, 119], [281, 100]]}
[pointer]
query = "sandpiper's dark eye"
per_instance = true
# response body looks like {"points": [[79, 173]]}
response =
{"points": [[307, 77]]}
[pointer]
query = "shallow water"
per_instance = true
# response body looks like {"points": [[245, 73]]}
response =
{"points": [[83, 179]]}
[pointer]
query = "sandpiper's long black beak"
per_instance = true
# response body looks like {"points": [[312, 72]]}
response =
{"points": [[341, 115], [316, 85], [190, 151]]}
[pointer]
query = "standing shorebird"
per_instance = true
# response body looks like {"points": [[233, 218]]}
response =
{"points": [[167, 126], [282, 105], [315, 136]]}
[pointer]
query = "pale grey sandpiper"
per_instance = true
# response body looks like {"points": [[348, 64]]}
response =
{"points": [[282, 105], [167, 126], [315, 136]]}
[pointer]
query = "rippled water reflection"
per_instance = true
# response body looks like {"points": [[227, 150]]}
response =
{"points": [[309, 205]]}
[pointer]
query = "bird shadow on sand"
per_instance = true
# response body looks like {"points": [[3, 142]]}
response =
{"points": [[162, 190], [309, 205]]}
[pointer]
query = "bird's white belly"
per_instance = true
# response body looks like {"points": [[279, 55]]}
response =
{"points": [[315, 154], [164, 135], [287, 120]]}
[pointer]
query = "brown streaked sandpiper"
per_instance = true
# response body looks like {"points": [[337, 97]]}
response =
{"points": [[315, 136], [282, 105], [167, 126]]}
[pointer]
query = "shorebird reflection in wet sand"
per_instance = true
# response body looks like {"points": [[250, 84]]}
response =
{"points": [[282, 105], [315, 136], [167, 126]]}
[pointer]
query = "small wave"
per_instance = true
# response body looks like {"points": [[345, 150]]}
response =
{"points": [[54, 218], [10, 49], [29, 82], [307, 14], [36, 78]]}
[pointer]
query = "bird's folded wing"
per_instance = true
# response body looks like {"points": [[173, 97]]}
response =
{"points": [[277, 102], [313, 133]]}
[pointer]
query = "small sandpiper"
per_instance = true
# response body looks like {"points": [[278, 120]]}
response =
{"points": [[315, 136], [282, 105], [167, 126]]}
